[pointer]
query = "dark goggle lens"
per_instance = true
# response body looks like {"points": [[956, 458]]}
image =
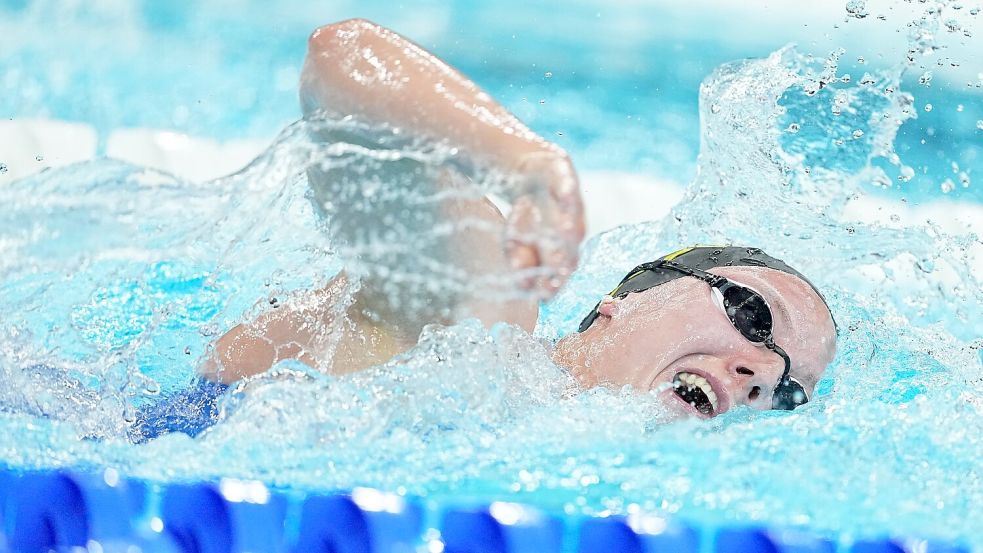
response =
{"points": [[788, 395], [748, 311]]}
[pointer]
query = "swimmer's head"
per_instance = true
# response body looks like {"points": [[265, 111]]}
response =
{"points": [[709, 328]]}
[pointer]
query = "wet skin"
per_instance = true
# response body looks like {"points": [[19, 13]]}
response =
{"points": [[645, 339], [358, 68]]}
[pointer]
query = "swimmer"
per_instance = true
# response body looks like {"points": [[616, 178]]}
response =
{"points": [[709, 328]]}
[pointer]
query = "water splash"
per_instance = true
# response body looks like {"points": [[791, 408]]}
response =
{"points": [[121, 277]]}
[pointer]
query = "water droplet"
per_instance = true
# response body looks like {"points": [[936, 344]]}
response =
{"points": [[867, 79], [928, 107], [974, 11], [861, 60], [925, 79], [964, 179], [542, 101], [793, 128], [187, 350], [857, 9], [714, 108], [39, 157], [907, 173], [858, 133], [959, 108], [3, 168], [548, 74], [947, 186], [952, 25]]}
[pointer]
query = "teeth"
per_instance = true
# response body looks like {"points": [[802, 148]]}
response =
{"points": [[700, 382]]}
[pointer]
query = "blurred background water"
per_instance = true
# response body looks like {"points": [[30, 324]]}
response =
{"points": [[617, 86]]}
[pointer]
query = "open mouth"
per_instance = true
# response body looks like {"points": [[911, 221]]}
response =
{"points": [[695, 390]]}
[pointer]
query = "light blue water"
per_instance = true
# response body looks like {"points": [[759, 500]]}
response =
{"points": [[621, 80], [122, 277]]}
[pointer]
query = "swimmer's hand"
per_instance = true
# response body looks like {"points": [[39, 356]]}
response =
{"points": [[546, 223], [359, 68]]}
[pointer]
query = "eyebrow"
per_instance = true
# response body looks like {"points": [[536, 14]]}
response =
{"points": [[786, 317]]}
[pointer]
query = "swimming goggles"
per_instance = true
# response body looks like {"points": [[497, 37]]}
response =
{"points": [[746, 309]]}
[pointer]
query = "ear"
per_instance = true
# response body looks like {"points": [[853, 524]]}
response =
{"points": [[609, 306]]}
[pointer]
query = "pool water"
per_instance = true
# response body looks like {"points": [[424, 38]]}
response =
{"points": [[118, 277]]}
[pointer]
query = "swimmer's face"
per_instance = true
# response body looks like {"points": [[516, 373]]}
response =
{"points": [[650, 338]]}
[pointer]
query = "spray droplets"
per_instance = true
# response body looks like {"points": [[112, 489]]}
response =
{"points": [[857, 9], [906, 173]]}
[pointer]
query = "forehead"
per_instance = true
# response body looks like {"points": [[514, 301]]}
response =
{"points": [[803, 324]]}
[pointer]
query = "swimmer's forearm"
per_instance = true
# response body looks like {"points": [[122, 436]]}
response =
{"points": [[357, 67]]}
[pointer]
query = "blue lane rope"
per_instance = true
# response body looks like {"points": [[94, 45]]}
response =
{"points": [[62, 510]]}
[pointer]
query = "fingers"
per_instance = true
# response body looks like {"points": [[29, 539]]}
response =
{"points": [[546, 225]]}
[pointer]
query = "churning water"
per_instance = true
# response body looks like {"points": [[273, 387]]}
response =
{"points": [[115, 279]]}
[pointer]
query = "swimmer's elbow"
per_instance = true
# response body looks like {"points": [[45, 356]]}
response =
{"points": [[329, 36], [238, 354]]}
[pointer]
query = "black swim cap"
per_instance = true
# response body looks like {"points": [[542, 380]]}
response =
{"points": [[705, 258]]}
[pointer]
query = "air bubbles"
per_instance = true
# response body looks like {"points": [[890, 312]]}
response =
{"points": [[947, 186], [928, 107], [714, 108], [979, 124], [952, 25], [39, 157], [548, 75], [925, 79], [793, 128], [858, 133], [3, 168], [861, 60], [857, 9]]}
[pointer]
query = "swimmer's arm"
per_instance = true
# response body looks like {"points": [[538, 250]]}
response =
{"points": [[295, 330], [357, 67]]}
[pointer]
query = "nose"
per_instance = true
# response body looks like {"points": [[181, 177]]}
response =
{"points": [[756, 382]]}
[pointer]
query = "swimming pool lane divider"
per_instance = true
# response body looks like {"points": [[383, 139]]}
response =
{"points": [[100, 512]]}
